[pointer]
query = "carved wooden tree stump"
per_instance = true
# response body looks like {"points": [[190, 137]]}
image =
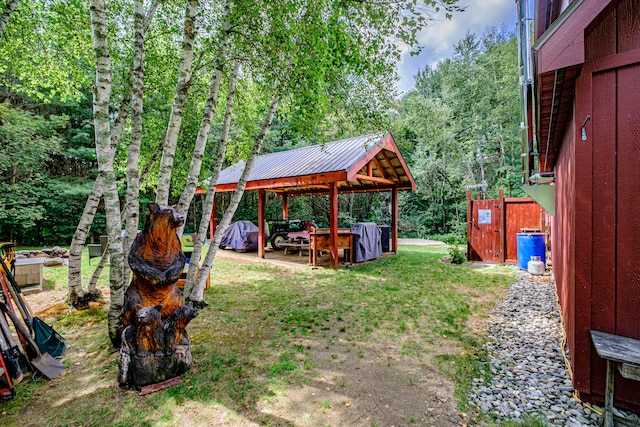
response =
{"points": [[153, 351], [154, 344]]}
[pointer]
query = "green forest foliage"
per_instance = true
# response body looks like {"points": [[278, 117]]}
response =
{"points": [[458, 127]]}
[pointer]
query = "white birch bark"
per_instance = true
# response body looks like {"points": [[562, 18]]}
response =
{"points": [[177, 109], [205, 125], [76, 292], [196, 295], [6, 14], [101, 98], [132, 210], [210, 197]]}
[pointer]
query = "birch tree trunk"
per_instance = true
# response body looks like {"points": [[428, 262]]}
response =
{"points": [[196, 295], [6, 14], [210, 197], [177, 109], [133, 164], [77, 295], [205, 125], [101, 98]]}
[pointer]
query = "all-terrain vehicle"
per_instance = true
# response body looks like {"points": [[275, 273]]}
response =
{"points": [[281, 227]]}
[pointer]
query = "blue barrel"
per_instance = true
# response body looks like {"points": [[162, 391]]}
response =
{"points": [[530, 244]]}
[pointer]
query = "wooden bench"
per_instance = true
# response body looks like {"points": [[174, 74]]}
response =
{"points": [[98, 250], [623, 352], [299, 246]]}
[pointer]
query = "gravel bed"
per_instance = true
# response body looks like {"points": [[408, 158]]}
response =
{"points": [[529, 372]]}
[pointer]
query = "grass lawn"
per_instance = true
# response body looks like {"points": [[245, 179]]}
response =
{"points": [[278, 346]]}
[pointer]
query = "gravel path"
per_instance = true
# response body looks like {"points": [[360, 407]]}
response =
{"points": [[529, 372]]}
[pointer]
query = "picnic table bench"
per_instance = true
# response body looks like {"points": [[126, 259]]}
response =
{"points": [[295, 245], [625, 354]]}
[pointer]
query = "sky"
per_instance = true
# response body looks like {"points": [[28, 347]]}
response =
{"points": [[438, 38]]}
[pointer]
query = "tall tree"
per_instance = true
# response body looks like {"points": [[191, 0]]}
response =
{"points": [[6, 14], [177, 109], [102, 125]]}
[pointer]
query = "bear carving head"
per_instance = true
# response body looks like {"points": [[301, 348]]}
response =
{"points": [[164, 215], [146, 316], [183, 315]]}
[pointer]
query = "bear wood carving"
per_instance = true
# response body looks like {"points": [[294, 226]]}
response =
{"points": [[154, 343], [156, 260]]}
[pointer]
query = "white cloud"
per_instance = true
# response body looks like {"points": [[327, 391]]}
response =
{"points": [[438, 38]]}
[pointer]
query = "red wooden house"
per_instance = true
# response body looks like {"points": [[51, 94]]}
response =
{"points": [[586, 88]]}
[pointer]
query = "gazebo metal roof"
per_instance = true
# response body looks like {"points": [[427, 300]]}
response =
{"points": [[360, 164]]}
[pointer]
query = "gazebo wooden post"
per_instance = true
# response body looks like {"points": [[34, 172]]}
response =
{"points": [[261, 203], [212, 220], [333, 224], [394, 220], [285, 206]]}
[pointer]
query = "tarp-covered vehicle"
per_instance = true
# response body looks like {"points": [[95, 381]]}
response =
{"points": [[241, 236]]}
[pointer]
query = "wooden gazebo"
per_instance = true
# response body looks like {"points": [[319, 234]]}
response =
{"points": [[370, 163]]}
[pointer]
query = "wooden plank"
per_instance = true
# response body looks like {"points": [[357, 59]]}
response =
{"points": [[333, 225], [616, 348], [628, 213], [630, 371], [607, 416], [152, 388], [581, 198], [374, 179], [394, 220], [470, 254], [601, 40], [603, 205], [285, 206], [294, 181], [564, 45], [503, 227], [628, 25], [261, 222], [613, 61]]}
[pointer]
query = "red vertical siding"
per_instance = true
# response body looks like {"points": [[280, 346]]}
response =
{"points": [[562, 231], [597, 220], [603, 215], [628, 25], [582, 236], [627, 310]]}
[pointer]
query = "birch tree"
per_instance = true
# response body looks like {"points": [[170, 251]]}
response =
{"points": [[210, 197], [177, 109], [196, 296], [77, 296], [102, 125], [207, 117]]}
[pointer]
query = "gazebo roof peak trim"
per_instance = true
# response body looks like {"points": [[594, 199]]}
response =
{"points": [[348, 162]]}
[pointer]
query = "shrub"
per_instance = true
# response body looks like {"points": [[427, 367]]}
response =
{"points": [[457, 255]]}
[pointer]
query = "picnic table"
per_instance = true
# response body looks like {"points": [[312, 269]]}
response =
{"points": [[297, 240], [320, 241]]}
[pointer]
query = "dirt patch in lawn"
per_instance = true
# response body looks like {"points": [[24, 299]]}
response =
{"points": [[366, 387]]}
